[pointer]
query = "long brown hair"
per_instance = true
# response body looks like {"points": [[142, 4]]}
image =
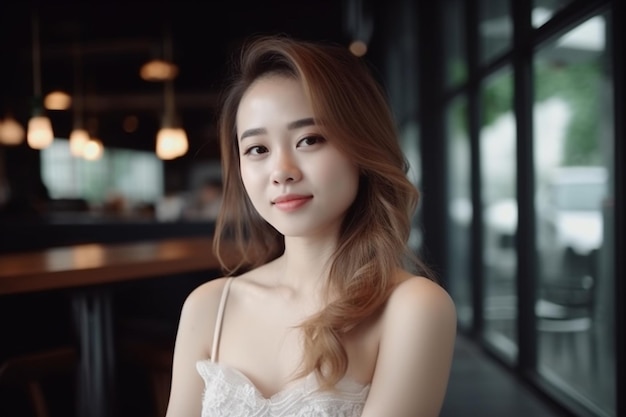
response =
{"points": [[352, 111]]}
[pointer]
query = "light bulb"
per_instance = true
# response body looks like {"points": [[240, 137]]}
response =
{"points": [[158, 70], [93, 150], [78, 139], [40, 133], [57, 100], [358, 48], [11, 132], [171, 143]]}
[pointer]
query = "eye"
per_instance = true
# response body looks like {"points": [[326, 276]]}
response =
{"points": [[255, 150], [310, 141]]}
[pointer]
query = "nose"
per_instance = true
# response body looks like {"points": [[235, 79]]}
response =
{"points": [[286, 169]]}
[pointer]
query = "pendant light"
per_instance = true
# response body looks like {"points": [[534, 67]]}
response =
{"points": [[11, 131], [39, 134], [171, 140], [360, 25], [93, 149], [79, 135]]}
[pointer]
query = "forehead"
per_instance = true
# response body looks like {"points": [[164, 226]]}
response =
{"points": [[273, 97], [272, 84]]}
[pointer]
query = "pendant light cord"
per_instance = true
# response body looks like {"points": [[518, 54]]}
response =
{"points": [[36, 55], [78, 88]]}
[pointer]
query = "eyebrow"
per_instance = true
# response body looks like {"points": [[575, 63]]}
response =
{"points": [[291, 126]]}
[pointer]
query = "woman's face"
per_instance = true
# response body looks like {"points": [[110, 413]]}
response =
{"points": [[297, 180]]}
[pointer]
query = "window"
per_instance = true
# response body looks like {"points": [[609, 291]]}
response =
{"points": [[573, 143], [460, 210], [137, 175], [499, 202]]}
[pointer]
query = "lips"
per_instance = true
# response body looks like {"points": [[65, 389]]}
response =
{"points": [[291, 202]]}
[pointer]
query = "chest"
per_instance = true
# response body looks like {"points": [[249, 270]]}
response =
{"points": [[266, 344]]}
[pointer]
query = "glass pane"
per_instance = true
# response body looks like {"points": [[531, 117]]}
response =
{"points": [[409, 140], [454, 38], [496, 28], [498, 178], [460, 211], [574, 182], [137, 176], [543, 10]]}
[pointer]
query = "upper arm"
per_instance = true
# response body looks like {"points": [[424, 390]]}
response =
{"points": [[415, 352], [193, 340]]}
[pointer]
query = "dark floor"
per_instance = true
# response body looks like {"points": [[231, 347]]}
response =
{"points": [[479, 386]]}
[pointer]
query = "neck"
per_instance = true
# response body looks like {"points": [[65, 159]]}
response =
{"points": [[305, 264]]}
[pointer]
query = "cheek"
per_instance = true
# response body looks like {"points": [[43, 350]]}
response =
{"points": [[248, 178], [340, 176]]}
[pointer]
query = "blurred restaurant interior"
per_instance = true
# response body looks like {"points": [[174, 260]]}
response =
{"points": [[122, 74], [509, 114]]}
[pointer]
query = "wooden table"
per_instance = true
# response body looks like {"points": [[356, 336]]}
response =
{"points": [[93, 264], [86, 270]]}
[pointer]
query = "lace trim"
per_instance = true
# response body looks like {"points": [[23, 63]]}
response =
{"points": [[229, 393]]}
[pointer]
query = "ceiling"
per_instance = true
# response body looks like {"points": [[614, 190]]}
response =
{"points": [[115, 39]]}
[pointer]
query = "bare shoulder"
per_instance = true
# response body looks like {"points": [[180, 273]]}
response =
{"points": [[417, 298], [197, 318], [202, 302], [415, 351], [193, 343], [207, 291], [206, 295]]}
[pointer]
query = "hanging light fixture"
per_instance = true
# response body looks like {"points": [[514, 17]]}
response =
{"points": [[360, 25], [79, 135], [157, 70], [11, 131], [161, 68], [39, 134], [93, 149], [57, 100], [171, 140], [78, 138]]}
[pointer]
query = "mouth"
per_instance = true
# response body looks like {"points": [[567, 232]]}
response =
{"points": [[291, 202]]}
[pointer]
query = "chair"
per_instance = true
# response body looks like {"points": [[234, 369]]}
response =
{"points": [[145, 347], [28, 371], [155, 362], [566, 312]]}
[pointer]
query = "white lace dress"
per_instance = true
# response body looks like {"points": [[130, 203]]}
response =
{"points": [[229, 393]]}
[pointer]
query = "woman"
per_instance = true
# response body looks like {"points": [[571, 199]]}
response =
{"points": [[326, 315]]}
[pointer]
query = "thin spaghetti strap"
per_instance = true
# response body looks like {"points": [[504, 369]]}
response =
{"points": [[220, 317]]}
